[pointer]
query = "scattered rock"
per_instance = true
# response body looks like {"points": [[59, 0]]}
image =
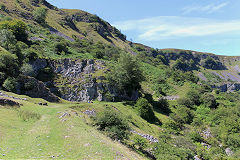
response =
{"points": [[146, 136], [206, 145], [170, 98], [196, 157], [90, 113], [87, 144], [228, 151], [5, 95], [206, 133]]}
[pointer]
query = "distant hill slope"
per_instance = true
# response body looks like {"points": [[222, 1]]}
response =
{"points": [[65, 22], [78, 24]]}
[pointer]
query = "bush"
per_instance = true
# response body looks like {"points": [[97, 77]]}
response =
{"points": [[139, 142], [10, 84], [28, 115], [2, 7], [113, 123], [2, 77], [166, 151], [145, 109], [196, 137], [194, 97], [172, 126], [30, 54], [209, 100], [211, 63], [40, 15], [61, 47], [182, 115], [17, 27]]}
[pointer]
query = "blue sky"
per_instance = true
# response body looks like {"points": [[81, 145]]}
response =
{"points": [[202, 25]]}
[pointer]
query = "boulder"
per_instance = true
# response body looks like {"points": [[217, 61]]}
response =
{"points": [[8, 102]]}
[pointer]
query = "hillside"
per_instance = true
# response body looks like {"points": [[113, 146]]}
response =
{"points": [[73, 87]]}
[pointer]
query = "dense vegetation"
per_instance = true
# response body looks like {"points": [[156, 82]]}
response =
{"points": [[201, 121]]}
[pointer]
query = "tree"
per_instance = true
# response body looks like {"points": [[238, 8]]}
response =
{"points": [[8, 63], [7, 39], [10, 84], [40, 15], [126, 75]]}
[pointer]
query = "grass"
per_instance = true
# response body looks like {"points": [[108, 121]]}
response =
{"points": [[44, 135]]}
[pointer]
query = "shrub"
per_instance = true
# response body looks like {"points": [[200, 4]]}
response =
{"points": [[28, 115], [10, 84], [113, 123], [211, 63], [2, 77], [139, 142], [172, 126], [194, 97], [182, 115], [17, 27], [195, 136], [209, 100], [233, 140], [145, 109], [185, 102], [61, 47], [40, 15], [30, 54], [166, 151]]}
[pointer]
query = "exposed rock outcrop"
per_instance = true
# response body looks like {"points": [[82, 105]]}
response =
{"points": [[228, 87], [83, 83], [36, 89], [8, 102]]}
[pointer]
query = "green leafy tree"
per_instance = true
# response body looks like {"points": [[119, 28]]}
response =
{"points": [[8, 63], [126, 74], [10, 84], [7, 39], [27, 70]]}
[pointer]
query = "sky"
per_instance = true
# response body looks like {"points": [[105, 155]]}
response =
{"points": [[202, 25]]}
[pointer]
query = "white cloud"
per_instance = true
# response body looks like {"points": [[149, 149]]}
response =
{"points": [[210, 8], [165, 27]]}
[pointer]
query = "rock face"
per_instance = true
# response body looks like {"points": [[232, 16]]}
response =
{"points": [[36, 89], [229, 87], [83, 81], [76, 80]]}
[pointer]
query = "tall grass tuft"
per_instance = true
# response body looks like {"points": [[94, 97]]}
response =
{"points": [[28, 115]]}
